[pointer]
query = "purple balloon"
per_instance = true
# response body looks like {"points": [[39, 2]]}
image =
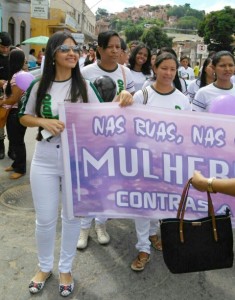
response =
{"points": [[224, 104], [23, 80]]}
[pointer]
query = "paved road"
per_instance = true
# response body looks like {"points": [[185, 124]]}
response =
{"points": [[100, 272]]}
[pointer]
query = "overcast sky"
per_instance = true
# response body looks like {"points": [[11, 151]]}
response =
{"points": [[119, 5]]}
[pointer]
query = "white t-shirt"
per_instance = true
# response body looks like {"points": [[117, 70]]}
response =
{"points": [[233, 79], [93, 71], [207, 94], [183, 83], [173, 100], [187, 74], [81, 61], [32, 58], [193, 87], [58, 92], [148, 82], [139, 79]]}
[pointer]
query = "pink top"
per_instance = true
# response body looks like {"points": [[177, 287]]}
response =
{"points": [[13, 82]]}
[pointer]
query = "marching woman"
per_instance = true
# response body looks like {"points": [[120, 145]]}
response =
{"points": [[61, 79], [207, 76], [15, 131], [108, 55], [223, 63], [185, 71], [162, 94], [91, 57], [178, 82], [140, 65]]}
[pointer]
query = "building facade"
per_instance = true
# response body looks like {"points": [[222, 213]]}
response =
{"points": [[28, 18], [73, 15], [15, 19]]}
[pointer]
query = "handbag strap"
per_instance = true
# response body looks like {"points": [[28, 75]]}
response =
{"points": [[182, 207], [183, 197]]}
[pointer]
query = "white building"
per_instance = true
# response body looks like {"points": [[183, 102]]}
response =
{"points": [[15, 19]]}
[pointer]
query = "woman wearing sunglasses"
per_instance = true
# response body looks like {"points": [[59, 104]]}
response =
{"points": [[61, 79]]}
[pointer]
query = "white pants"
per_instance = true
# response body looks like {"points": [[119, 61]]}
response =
{"points": [[86, 221], [46, 176], [144, 229]]}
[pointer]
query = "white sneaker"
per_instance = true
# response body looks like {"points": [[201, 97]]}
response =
{"points": [[103, 236], [83, 238]]}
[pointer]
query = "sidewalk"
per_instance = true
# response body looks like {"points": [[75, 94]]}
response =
{"points": [[100, 272]]}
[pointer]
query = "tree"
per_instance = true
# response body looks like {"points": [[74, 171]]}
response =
{"points": [[218, 28], [185, 11], [120, 25], [177, 11], [155, 37], [133, 33], [101, 13], [188, 22]]}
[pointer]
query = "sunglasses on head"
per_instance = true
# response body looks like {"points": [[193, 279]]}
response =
{"points": [[66, 49]]}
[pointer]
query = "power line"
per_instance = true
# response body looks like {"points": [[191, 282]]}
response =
{"points": [[92, 6]]}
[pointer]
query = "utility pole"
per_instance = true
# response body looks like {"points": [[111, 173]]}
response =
{"points": [[85, 11]]}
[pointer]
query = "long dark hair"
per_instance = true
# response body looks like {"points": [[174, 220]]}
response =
{"points": [[202, 78], [146, 67], [78, 86], [176, 80], [16, 62]]}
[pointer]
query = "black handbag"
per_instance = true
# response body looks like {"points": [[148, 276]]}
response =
{"points": [[197, 245]]}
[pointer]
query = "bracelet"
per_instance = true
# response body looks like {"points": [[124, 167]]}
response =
{"points": [[209, 185]]}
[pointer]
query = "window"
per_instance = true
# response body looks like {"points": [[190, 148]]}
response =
{"points": [[22, 31], [11, 29]]}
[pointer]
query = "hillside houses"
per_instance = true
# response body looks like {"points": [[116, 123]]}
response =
{"points": [[144, 11], [135, 13]]}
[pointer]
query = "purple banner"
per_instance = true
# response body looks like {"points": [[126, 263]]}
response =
{"points": [[134, 161]]}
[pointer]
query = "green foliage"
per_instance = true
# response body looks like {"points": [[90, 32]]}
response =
{"points": [[185, 11], [120, 25], [155, 37], [154, 8], [177, 11], [157, 22], [188, 23], [133, 33], [101, 13], [217, 29]]}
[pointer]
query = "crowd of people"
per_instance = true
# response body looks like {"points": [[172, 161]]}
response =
{"points": [[157, 79]]}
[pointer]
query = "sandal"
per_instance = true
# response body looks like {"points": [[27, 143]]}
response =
{"points": [[35, 286], [66, 289], [16, 175], [9, 169], [156, 243], [139, 263]]}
